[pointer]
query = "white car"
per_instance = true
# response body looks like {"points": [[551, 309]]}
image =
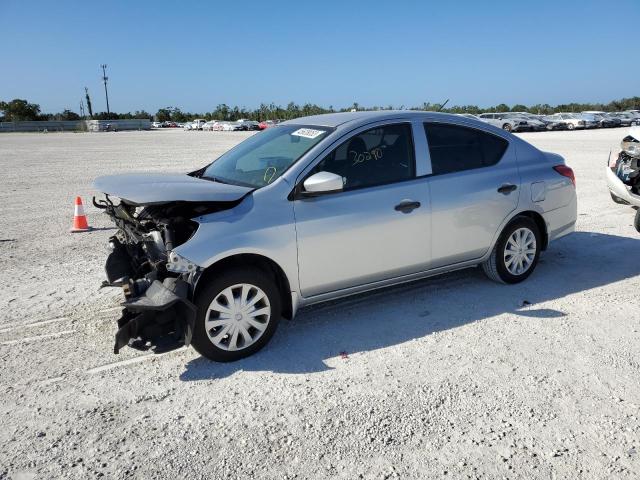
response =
{"points": [[198, 123], [225, 126], [573, 120], [623, 173], [156, 124], [506, 121], [210, 125]]}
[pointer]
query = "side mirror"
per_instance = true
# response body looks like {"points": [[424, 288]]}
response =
{"points": [[322, 182]]}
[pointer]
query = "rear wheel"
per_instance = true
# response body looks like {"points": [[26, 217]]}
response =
{"points": [[507, 127], [570, 126], [516, 253], [238, 313]]}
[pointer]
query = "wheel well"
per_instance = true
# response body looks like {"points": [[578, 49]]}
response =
{"points": [[249, 259], [542, 225]]}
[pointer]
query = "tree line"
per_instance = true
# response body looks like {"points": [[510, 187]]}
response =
{"points": [[21, 110]]}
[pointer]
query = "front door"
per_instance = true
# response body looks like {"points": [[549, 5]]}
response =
{"points": [[378, 227]]}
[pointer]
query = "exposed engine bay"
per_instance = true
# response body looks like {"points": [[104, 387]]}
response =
{"points": [[157, 284]]}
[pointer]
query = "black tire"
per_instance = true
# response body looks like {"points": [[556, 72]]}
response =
{"points": [[636, 220], [507, 127], [571, 126], [253, 276], [495, 267]]}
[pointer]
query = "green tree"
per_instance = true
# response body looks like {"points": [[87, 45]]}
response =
{"points": [[163, 115], [18, 110], [141, 114]]}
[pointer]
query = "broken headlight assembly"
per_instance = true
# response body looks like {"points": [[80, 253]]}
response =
{"points": [[631, 146]]}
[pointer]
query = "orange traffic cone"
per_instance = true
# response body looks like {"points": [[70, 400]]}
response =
{"points": [[79, 218]]}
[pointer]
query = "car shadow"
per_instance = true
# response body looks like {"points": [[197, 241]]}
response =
{"points": [[395, 315]]}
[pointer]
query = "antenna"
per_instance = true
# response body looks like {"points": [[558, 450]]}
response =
{"points": [[442, 106], [104, 79]]}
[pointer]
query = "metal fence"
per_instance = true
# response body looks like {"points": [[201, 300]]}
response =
{"points": [[76, 125]]}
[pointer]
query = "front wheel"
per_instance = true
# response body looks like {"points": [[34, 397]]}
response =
{"points": [[516, 253], [571, 126], [507, 127], [238, 313]]}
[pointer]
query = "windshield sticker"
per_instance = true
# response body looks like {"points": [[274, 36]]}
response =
{"points": [[307, 133]]}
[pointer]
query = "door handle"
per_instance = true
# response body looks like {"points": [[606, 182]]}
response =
{"points": [[407, 206], [507, 188]]}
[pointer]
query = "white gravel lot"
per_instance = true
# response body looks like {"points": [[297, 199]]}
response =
{"points": [[446, 378]]}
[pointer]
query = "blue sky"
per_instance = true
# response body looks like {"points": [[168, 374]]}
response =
{"points": [[197, 54]]}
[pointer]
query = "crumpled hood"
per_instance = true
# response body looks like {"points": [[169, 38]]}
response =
{"points": [[154, 188]]}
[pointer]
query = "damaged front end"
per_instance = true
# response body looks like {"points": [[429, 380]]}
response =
{"points": [[623, 171], [157, 283]]}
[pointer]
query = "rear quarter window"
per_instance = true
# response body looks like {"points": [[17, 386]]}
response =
{"points": [[454, 148]]}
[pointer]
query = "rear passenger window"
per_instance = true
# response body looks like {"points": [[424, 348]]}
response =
{"points": [[454, 148]]}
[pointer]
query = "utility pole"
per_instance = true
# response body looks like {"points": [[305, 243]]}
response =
{"points": [[82, 109], [104, 79]]}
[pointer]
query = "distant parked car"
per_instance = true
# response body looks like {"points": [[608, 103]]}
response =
{"points": [[247, 125], [626, 119], [209, 126], [266, 124], [198, 123], [601, 118], [635, 114], [533, 121], [505, 121], [156, 125], [468, 115], [572, 120], [591, 120], [552, 123], [617, 122], [224, 126]]}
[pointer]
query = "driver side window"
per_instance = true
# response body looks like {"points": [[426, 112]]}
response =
{"points": [[374, 157]]}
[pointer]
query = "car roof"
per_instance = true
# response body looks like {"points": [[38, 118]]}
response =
{"points": [[364, 117]]}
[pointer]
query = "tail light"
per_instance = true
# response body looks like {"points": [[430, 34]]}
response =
{"points": [[566, 172]]}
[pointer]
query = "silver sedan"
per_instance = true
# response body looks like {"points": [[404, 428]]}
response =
{"points": [[319, 208]]}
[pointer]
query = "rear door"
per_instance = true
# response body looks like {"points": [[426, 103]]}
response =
{"points": [[474, 186]]}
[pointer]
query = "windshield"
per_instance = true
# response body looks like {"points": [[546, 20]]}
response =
{"points": [[262, 158]]}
